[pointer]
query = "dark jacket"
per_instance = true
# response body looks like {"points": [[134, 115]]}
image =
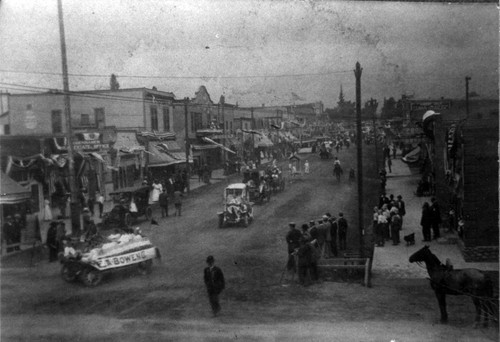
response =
{"points": [[342, 222], [435, 213], [426, 219], [214, 279], [334, 229], [163, 199], [305, 255], [292, 239]]}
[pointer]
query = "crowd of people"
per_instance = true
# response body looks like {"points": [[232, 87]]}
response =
{"points": [[388, 219], [317, 239]]}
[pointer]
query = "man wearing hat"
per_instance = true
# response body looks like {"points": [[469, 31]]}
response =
{"points": [[334, 233], [342, 224], [214, 281], [52, 242], [292, 239]]}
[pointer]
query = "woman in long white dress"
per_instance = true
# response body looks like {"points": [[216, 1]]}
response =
{"points": [[306, 167], [155, 192], [47, 210]]}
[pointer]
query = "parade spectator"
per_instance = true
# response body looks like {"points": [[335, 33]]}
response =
{"points": [[51, 242], [305, 232], [304, 255], [178, 202], [435, 217], [293, 242], [395, 227], [389, 164], [8, 232], [100, 203], [156, 190], [323, 232], [163, 201], [400, 204], [313, 230], [47, 211], [426, 222], [306, 167], [381, 231], [215, 283], [342, 226], [334, 235], [60, 235]]}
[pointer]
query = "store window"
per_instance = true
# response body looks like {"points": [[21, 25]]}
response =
{"points": [[84, 120], [154, 118], [99, 117], [166, 119]]}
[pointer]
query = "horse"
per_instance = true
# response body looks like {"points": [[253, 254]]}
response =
{"points": [[468, 281]]}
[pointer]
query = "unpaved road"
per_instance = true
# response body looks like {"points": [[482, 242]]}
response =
{"points": [[171, 305]]}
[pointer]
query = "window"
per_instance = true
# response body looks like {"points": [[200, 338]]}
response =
{"points": [[166, 119], [196, 122], [84, 120], [56, 121], [231, 126], [6, 129], [154, 118], [99, 117]]}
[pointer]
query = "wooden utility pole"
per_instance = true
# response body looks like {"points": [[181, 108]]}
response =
{"points": [[186, 126], [75, 204], [359, 142], [374, 133], [467, 79], [253, 138], [222, 101]]}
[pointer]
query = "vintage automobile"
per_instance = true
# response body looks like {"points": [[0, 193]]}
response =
{"points": [[258, 190], [237, 206], [130, 204], [119, 251]]}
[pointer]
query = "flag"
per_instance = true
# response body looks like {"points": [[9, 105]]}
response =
{"points": [[217, 144]]}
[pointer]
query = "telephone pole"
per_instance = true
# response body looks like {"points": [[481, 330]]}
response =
{"points": [[253, 138], [372, 103], [222, 101], [467, 79], [188, 173], [359, 143], [74, 205]]}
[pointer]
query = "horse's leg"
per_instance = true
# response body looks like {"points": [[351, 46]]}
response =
{"points": [[441, 297], [477, 304]]}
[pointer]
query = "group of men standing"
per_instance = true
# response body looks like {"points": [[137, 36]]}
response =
{"points": [[315, 241]]}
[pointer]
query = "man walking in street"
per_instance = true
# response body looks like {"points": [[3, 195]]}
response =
{"points": [[164, 204], [214, 281], [293, 241], [178, 202], [435, 218], [342, 224]]}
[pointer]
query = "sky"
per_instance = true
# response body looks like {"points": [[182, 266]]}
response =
{"points": [[254, 51]]}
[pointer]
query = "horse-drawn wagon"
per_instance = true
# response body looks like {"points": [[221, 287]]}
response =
{"points": [[258, 188], [129, 204]]}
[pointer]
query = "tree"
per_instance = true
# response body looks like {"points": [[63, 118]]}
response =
{"points": [[370, 108], [113, 83]]}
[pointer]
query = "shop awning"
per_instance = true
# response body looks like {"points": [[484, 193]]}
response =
{"points": [[158, 158], [11, 192], [171, 146], [127, 142], [204, 147]]}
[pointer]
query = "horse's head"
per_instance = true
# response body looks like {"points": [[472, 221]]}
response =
{"points": [[421, 255]]}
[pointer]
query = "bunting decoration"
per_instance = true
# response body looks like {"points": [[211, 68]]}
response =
{"points": [[251, 131], [217, 144]]}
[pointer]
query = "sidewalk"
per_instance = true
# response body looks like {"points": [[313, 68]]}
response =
{"points": [[392, 261]]}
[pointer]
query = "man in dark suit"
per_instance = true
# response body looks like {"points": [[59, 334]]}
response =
{"points": [[342, 224], [214, 281], [435, 217]]}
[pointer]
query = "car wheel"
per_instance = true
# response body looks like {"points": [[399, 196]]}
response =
{"points": [[149, 213], [145, 267], [68, 274], [91, 277]]}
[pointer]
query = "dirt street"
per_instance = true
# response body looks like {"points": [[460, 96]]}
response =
{"points": [[171, 304]]}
